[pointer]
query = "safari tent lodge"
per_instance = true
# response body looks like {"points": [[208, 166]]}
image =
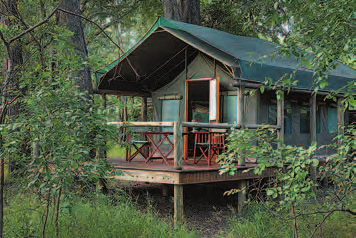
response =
{"points": [[209, 81]]}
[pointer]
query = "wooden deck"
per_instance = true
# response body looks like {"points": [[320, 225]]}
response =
{"points": [[157, 171]]}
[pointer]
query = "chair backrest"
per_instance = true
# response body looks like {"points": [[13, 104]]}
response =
{"points": [[218, 139], [202, 137]]}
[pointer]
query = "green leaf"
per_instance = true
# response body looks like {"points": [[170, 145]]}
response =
{"points": [[74, 165], [262, 89], [323, 84]]}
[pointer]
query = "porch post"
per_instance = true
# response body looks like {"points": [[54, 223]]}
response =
{"points": [[178, 205], [313, 130], [178, 142], [280, 116], [241, 118], [144, 109], [242, 195], [313, 119]]}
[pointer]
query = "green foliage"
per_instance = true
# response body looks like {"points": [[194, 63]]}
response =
{"points": [[261, 221], [97, 216], [235, 17], [293, 183]]}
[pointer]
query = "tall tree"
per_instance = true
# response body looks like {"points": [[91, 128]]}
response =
{"points": [[13, 61], [184, 10], [74, 23]]}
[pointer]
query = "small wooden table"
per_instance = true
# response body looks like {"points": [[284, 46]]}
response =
{"points": [[155, 146]]}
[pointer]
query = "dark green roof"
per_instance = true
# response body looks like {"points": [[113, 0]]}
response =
{"points": [[249, 58]]}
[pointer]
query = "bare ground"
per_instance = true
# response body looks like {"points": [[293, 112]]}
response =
{"points": [[206, 209]]}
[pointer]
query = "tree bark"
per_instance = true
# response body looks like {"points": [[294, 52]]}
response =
{"points": [[10, 87], [144, 109], [74, 23], [14, 59], [182, 10]]}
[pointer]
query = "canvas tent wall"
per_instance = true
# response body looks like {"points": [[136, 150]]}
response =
{"points": [[169, 101]]}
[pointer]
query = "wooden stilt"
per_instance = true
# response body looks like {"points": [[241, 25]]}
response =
{"points": [[178, 205], [164, 190], [241, 196]]}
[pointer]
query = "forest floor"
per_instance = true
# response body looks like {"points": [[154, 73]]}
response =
{"points": [[206, 209]]}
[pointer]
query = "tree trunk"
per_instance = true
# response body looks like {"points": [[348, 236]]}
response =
{"points": [[10, 87], [14, 59], [183, 10], [144, 109], [74, 23]]}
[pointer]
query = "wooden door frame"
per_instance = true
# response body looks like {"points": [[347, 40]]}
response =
{"points": [[186, 106]]}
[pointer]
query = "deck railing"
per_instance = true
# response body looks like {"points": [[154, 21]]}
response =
{"points": [[178, 132]]}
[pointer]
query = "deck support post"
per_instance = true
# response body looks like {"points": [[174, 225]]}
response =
{"points": [[178, 142], [178, 205], [280, 116], [313, 131], [165, 190], [242, 195]]}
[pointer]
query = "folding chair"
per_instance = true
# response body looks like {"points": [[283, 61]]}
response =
{"points": [[141, 147], [217, 141], [202, 142]]}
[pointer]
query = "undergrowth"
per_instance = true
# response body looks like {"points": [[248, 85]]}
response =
{"points": [[260, 222], [95, 216]]}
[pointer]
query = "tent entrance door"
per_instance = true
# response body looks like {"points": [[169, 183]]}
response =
{"points": [[201, 104]]}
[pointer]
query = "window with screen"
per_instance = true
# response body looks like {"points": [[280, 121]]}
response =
{"points": [[332, 119], [170, 110], [230, 108], [305, 120]]}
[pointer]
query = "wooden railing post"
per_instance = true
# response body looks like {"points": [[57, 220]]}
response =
{"points": [[178, 142]]}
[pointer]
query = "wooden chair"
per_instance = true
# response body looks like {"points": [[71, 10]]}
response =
{"points": [[202, 143], [141, 146], [217, 141]]}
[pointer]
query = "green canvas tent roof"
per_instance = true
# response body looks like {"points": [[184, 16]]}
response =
{"points": [[159, 56]]}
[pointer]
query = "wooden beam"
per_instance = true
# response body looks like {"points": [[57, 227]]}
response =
{"points": [[142, 124], [280, 117], [178, 205], [212, 176], [171, 97], [122, 93], [178, 142], [151, 176], [242, 195], [144, 109], [241, 115], [209, 125], [255, 126]]}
